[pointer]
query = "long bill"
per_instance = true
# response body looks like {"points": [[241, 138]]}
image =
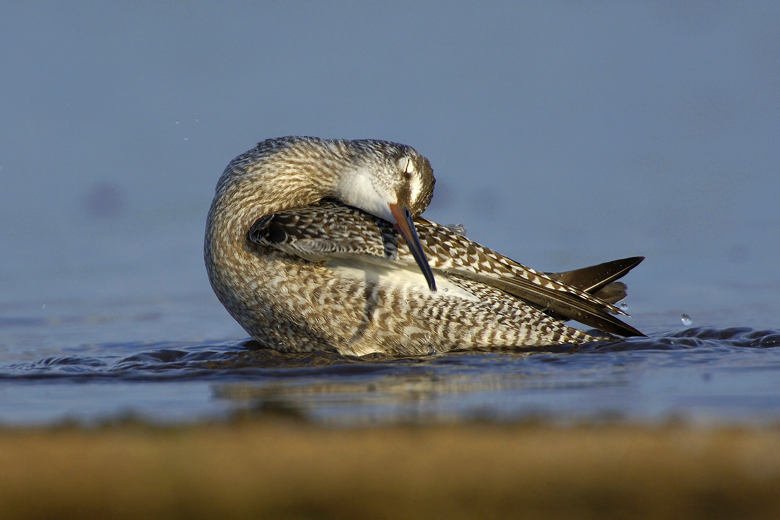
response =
{"points": [[405, 225]]}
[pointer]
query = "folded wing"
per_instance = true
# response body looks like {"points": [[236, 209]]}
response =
{"points": [[330, 229]]}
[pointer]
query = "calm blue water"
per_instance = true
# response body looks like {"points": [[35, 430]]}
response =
{"points": [[561, 134], [703, 375]]}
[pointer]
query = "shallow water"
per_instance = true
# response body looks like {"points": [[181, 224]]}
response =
{"points": [[551, 143], [699, 374]]}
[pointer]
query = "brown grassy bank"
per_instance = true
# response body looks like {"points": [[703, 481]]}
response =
{"points": [[275, 469]]}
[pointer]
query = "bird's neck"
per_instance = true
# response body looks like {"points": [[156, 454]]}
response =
{"points": [[240, 203]]}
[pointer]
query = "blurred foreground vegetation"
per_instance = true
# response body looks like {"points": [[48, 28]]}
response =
{"points": [[293, 470]]}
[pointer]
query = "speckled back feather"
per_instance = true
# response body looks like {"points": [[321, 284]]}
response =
{"points": [[329, 228], [300, 274]]}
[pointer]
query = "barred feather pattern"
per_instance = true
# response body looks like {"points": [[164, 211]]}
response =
{"points": [[301, 271], [329, 227]]}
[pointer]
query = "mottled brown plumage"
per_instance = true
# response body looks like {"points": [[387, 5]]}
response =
{"points": [[304, 253]]}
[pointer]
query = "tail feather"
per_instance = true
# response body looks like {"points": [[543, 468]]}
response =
{"points": [[599, 280], [592, 279], [612, 293]]}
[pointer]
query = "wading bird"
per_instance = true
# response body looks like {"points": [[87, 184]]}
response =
{"points": [[318, 244]]}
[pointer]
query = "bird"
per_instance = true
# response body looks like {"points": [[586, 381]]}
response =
{"points": [[317, 244]]}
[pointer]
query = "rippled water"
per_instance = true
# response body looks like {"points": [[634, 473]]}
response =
{"points": [[559, 148], [704, 375]]}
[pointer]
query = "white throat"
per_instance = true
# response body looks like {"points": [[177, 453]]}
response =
{"points": [[358, 189]]}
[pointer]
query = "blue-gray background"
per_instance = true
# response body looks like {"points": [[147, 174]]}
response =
{"points": [[561, 134]]}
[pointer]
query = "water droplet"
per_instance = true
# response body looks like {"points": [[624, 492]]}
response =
{"points": [[686, 320], [186, 139], [446, 289], [624, 306], [197, 120], [177, 122], [43, 306]]}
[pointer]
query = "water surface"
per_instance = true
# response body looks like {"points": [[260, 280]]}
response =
{"points": [[561, 134], [699, 374]]}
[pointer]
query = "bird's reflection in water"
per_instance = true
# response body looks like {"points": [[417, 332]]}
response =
{"points": [[328, 387]]}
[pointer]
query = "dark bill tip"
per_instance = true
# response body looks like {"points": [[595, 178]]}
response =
{"points": [[405, 225]]}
